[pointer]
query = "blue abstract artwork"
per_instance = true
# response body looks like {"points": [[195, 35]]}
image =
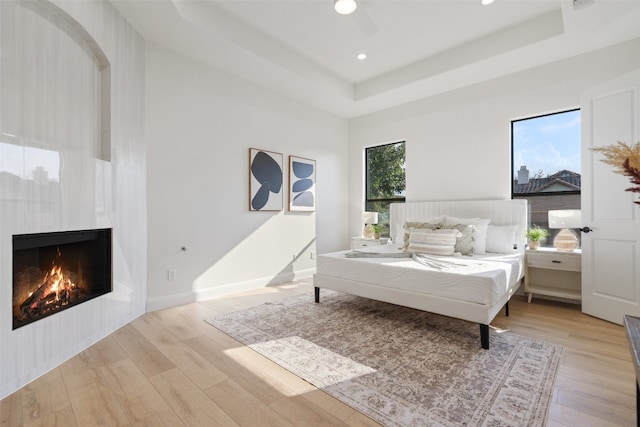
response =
{"points": [[302, 184], [265, 180]]}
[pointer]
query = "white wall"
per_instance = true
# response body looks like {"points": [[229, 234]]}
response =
{"points": [[200, 125], [44, 119], [458, 145]]}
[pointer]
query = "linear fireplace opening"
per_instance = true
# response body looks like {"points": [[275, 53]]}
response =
{"points": [[56, 271]]}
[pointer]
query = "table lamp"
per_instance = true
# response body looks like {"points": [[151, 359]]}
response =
{"points": [[565, 219], [368, 218]]}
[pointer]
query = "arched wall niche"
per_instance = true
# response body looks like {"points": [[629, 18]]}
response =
{"points": [[62, 82]]}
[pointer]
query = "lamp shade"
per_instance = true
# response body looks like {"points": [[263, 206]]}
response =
{"points": [[566, 218], [345, 7], [369, 217], [566, 240]]}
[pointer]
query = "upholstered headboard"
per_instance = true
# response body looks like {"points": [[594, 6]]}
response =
{"points": [[501, 212]]}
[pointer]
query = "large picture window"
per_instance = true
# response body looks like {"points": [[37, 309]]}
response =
{"points": [[546, 165], [384, 180]]}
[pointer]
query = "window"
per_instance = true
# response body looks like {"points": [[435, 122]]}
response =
{"points": [[384, 180], [546, 165]]}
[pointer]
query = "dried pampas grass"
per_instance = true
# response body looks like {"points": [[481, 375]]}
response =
{"points": [[625, 159]]}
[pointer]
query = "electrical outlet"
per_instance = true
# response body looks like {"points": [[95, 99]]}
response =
{"points": [[171, 274]]}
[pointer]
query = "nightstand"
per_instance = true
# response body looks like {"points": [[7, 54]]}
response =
{"points": [[363, 242], [553, 273]]}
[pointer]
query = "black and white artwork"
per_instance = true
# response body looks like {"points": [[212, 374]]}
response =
{"points": [[302, 184], [265, 180]]}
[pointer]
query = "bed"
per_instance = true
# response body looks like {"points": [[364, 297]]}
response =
{"points": [[472, 287]]}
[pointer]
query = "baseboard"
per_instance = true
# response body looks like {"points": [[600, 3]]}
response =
{"points": [[195, 295]]}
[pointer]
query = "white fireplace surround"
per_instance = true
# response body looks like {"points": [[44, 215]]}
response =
{"points": [[72, 157]]}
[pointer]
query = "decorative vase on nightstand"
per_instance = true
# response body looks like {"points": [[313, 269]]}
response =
{"points": [[533, 245], [367, 233]]}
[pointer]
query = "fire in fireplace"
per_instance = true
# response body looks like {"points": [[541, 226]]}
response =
{"points": [[55, 271]]}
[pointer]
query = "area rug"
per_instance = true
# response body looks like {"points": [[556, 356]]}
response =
{"points": [[399, 366]]}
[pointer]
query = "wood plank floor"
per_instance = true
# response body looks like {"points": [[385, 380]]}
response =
{"points": [[171, 368]]}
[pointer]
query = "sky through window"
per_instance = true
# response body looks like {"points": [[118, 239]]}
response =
{"points": [[547, 144]]}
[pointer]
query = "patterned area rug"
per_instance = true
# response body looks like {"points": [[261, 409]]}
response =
{"points": [[399, 366]]}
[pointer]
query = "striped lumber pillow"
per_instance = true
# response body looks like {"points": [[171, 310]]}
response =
{"points": [[433, 242]]}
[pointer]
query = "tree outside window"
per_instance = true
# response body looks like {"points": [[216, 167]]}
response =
{"points": [[546, 165], [385, 180]]}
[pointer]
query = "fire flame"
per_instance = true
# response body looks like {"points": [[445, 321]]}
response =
{"points": [[58, 282], [56, 277], [56, 289]]}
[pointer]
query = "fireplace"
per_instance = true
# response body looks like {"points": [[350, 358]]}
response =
{"points": [[55, 271]]}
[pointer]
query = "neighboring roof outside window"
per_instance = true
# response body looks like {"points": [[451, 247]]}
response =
{"points": [[562, 181]]}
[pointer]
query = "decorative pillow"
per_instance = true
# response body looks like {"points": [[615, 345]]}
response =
{"points": [[480, 233], [501, 238], [433, 242], [464, 243], [417, 225]]}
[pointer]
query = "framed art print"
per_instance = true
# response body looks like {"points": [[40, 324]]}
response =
{"points": [[265, 180], [302, 184]]}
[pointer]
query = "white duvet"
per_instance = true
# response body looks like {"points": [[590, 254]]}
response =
{"points": [[481, 279]]}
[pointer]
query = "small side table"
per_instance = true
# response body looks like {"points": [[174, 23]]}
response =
{"points": [[632, 328], [554, 273]]}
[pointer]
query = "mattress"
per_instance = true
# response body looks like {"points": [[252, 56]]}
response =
{"points": [[481, 279]]}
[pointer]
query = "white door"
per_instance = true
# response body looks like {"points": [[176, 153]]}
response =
{"points": [[611, 252]]}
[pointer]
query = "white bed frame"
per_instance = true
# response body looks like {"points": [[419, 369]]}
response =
{"points": [[501, 212]]}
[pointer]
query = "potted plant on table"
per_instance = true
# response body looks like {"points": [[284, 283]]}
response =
{"points": [[534, 235], [377, 229]]}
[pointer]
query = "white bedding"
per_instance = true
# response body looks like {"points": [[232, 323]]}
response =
{"points": [[480, 279], [476, 292]]}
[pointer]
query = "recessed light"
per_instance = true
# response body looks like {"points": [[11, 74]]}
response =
{"points": [[486, 2], [345, 7], [362, 56]]}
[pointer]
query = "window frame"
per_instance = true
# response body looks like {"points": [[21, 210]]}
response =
{"points": [[529, 196], [367, 200], [514, 172], [384, 200]]}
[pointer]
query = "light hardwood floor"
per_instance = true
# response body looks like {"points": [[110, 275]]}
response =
{"points": [[171, 368]]}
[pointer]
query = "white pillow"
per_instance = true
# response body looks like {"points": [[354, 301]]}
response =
{"points": [[480, 233], [501, 238], [433, 242]]}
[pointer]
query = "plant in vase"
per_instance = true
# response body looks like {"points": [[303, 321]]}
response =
{"points": [[377, 229], [534, 235]]}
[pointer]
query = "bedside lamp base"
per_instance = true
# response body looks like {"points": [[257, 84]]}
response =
{"points": [[566, 240]]}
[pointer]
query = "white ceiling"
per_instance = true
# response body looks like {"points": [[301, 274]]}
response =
{"points": [[416, 48]]}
